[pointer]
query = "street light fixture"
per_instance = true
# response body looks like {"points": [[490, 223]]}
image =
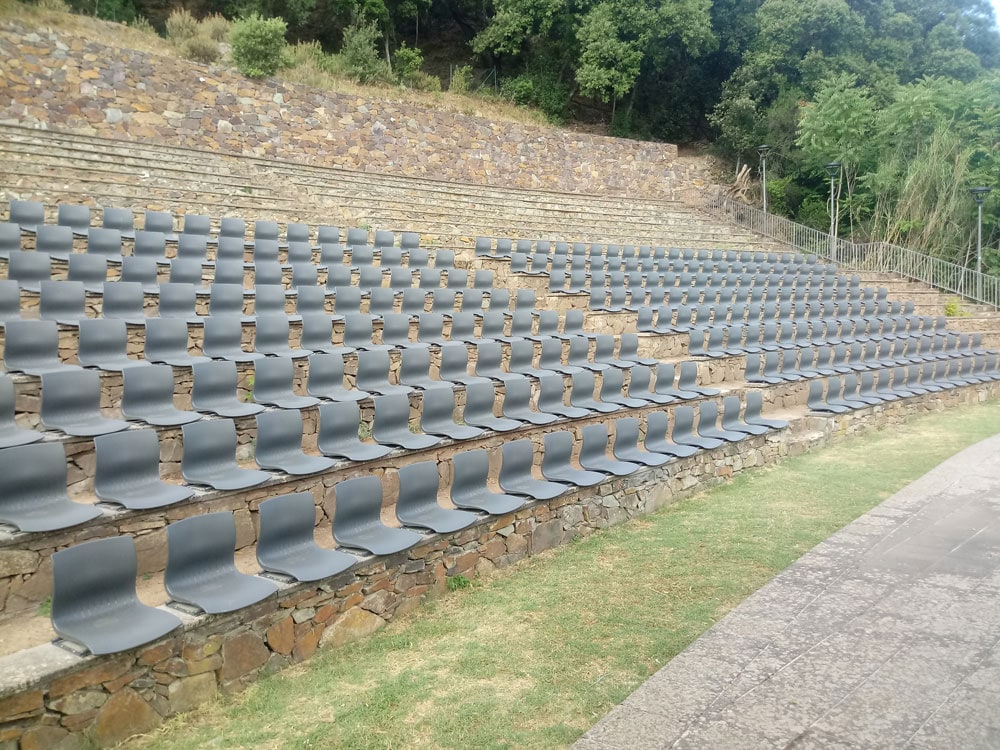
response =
{"points": [[763, 150], [833, 169], [979, 195]]}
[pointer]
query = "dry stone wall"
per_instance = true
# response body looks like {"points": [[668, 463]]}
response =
{"points": [[66, 82]]}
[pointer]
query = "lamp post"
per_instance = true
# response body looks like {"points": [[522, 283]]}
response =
{"points": [[763, 150], [833, 169], [979, 195]]}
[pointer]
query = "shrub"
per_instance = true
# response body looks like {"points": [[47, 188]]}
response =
{"points": [[181, 26], [406, 63], [55, 6], [142, 25], [201, 49], [258, 45], [519, 89], [461, 80], [215, 27], [539, 88], [360, 54], [424, 82]]}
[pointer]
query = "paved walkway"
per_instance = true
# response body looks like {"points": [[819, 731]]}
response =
{"points": [[886, 635]]}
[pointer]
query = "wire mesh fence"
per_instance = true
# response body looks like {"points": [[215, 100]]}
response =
{"points": [[880, 257]]}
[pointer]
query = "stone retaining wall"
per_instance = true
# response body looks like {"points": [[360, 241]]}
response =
{"points": [[49, 696], [63, 81]]}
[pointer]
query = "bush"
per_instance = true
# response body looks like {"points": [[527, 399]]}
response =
{"points": [[181, 26], [55, 6], [258, 45], [360, 54], [406, 63], [461, 80], [520, 90], [200, 49], [142, 25], [538, 88], [424, 82], [215, 27]]}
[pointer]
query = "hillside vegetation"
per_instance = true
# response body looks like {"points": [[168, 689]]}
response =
{"points": [[904, 93]]}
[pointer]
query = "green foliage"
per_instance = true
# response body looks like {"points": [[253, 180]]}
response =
{"points": [[406, 63], [424, 82], [45, 607], [458, 582], [142, 24], [200, 48], [539, 87], [258, 45], [54, 6], [953, 309], [181, 26], [360, 53], [461, 80], [215, 27]]}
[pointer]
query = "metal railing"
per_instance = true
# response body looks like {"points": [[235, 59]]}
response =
{"points": [[879, 257]]}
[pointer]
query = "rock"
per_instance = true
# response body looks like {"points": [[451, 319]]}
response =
{"points": [[224, 126], [124, 715], [546, 535], [80, 701], [21, 705], [242, 655], [281, 636], [17, 562], [191, 692], [354, 624], [50, 738], [113, 115]]}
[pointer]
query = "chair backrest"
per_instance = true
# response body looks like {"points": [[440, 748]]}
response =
{"points": [[62, 300], [186, 270], [102, 340], [233, 226], [55, 240], [212, 381], [29, 268], [159, 221], [178, 300], [119, 219], [358, 505], [317, 331], [223, 336], [165, 338], [104, 242], [90, 270]]}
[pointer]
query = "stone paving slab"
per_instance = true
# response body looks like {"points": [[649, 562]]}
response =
{"points": [[886, 635]]}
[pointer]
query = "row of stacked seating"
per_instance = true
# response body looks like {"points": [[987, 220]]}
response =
{"points": [[201, 575]]}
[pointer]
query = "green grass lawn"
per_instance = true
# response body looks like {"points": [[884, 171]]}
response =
{"points": [[533, 656]]}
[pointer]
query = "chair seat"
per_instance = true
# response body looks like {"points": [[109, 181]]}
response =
{"points": [[228, 479], [118, 629], [385, 540], [224, 593], [307, 562]]}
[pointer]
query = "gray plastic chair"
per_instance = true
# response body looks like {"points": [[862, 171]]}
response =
{"points": [[684, 431], [516, 477], [71, 402], [274, 384], [626, 445], [29, 215], [279, 444], [581, 394], [731, 418], [94, 601], [752, 414], [201, 570], [489, 358], [56, 241], [454, 365], [708, 424], [594, 453], [359, 334], [186, 271], [193, 247], [142, 271], [286, 543], [150, 246], [196, 224], [148, 396], [656, 440], [417, 503], [232, 271], [317, 335], [89, 270], [178, 300], [32, 347], [10, 434], [167, 343], [327, 235], [271, 300], [480, 400], [338, 434], [223, 339], [209, 457], [613, 390], [557, 464], [326, 379], [33, 489], [223, 299], [29, 269], [469, 488], [517, 403], [127, 471], [271, 337], [64, 302], [414, 369], [373, 374], [10, 301], [357, 521], [103, 344], [551, 390], [121, 220], [214, 390], [160, 221], [391, 424], [382, 301], [437, 415], [687, 382]]}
